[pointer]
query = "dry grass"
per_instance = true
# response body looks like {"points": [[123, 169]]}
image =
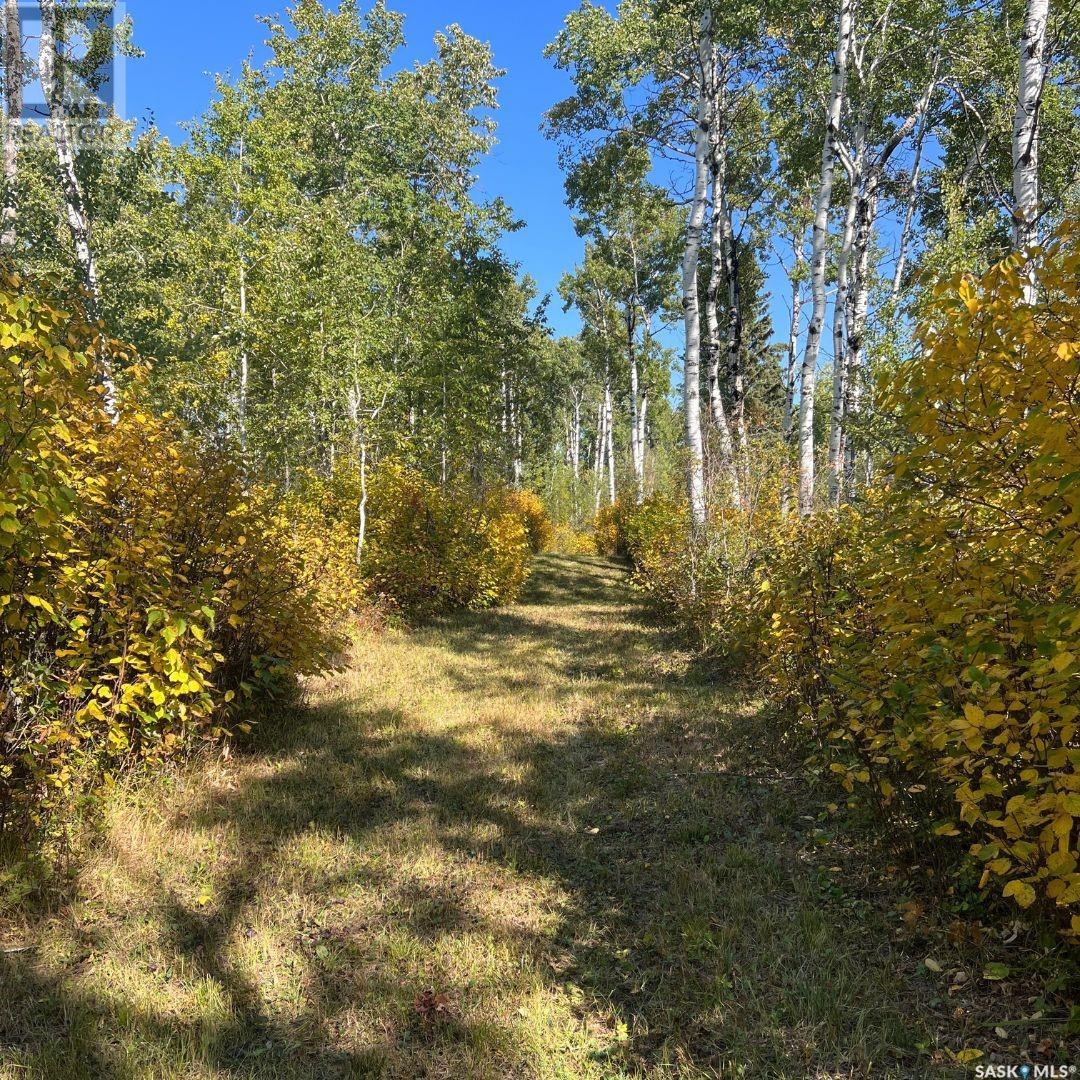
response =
{"points": [[522, 812]]}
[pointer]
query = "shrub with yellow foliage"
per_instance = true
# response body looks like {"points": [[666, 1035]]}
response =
{"points": [[932, 635], [609, 528], [529, 507], [431, 549], [144, 586], [928, 636], [708, 581], [567, 540]]}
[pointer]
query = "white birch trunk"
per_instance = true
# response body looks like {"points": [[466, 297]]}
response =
{"points": [[642, 411], [691, 306], [13, 104], [788, 376], [361, 532], [720, 234], [840, 364], [788, 421], [860, 303], [637, 456], [610, 441], [912, 198], [817, 263], [74, 204], [598, 455], [575, 438], [1025, 137]]}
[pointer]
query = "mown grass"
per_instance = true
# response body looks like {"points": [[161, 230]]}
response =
{"points": [[581, 846]]}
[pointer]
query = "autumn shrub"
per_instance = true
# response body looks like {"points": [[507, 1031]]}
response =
{"points": [[609, 528], [431, 549], [567, 540], [145, 589], [931, 637], [707, 580], [529, 507]]}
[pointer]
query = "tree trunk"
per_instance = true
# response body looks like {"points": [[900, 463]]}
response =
{"points": [[598, 455], [575, 438], [817, 262], [860, 302], [609, 440], [13, 101], [840, 365], [642, 411], [720, 271], [788, 376], [912, 198], [637, 454], [691, 306], [1025, 138], [244, 380], [361, 532], [74, 204]]}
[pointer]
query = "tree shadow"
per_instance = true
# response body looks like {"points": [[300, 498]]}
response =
{"points": [[695, 926]]}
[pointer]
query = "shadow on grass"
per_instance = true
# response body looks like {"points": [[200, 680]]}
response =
{"points": [[697, 927]]}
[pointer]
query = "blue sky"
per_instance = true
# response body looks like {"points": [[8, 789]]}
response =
{"points": [[185, 43]]}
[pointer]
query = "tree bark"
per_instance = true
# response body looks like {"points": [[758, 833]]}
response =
{"points": [[860, 301], [722, 236], [788, 375], [637, 456], [840, 365], [1025, 138], [74, 203], [817, 263], [912, 197], [691, 305], [575, 437], [598, 453], [609, 440], [13, 102]]}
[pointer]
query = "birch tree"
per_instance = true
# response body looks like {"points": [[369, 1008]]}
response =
{"points": [[819, 245], [13, 108], [1025, 132], [690, 299]]}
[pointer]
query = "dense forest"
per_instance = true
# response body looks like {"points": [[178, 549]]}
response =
{"points": [[279, 408]]}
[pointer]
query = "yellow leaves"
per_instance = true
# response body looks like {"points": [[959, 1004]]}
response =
{"points": [[1020, 891], [39, 602], [974, 714], [430, 550], [966, 1056], [113, 591], [937, 637]]}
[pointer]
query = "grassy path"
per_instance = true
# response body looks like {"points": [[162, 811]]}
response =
{"points": [[523, 812]]}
